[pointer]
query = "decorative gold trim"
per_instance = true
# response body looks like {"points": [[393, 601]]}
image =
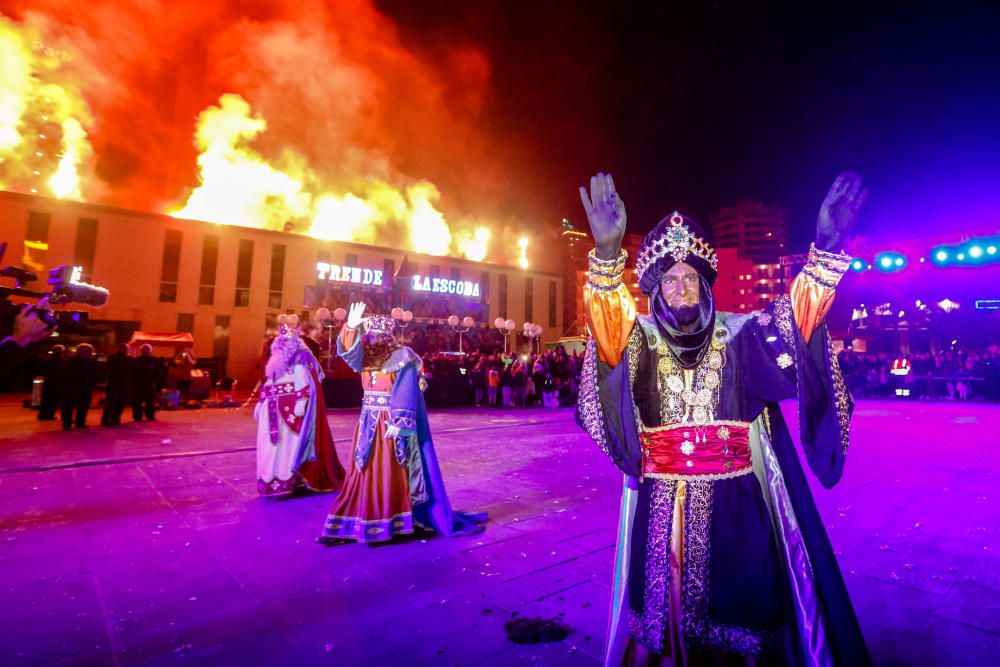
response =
{"points": [[674, 427], [604, 283], [650, 627], [679, 388], [784, 319], [605, 274], [350, 519], [670, 477], [843, 402], [833, 260], [607, 265], [589, 409], [826, 268], [632, 351]]}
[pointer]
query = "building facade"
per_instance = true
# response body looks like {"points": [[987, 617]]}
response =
{"points": [[758, 231], [575, 245], [752, 236], [744, 286], [576, 272], [226, 285]]}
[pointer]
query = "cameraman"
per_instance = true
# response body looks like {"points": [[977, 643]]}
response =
{"points": [[29, 327]]}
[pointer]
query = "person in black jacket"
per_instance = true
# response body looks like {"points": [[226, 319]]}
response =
{"points": [[146, 381], [51, 372], [79, 378], [119, 385]]}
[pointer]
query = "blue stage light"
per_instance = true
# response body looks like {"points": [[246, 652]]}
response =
{"points": [[960, 256], [941, 256], [890, 261], [975, 252], [991, 250], [858, 265]]}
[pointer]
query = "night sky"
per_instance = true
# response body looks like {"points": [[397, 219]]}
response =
{"points": [[694, 105]]}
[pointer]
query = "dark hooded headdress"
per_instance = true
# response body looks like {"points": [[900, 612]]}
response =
{"points": [[679, 239]]}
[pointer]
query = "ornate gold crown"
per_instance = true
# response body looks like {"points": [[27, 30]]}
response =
{"points": [[678, 241]]}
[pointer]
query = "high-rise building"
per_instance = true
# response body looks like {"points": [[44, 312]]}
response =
{"points": [[758, 231], [750, 238], [632, 243], [743, 286], [576, 245]]}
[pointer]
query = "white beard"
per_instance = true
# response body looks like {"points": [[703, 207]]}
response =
{"points": [[275, 364]]}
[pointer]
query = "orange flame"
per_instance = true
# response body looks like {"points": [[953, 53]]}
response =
{"points": [[522, 245], [241, 187], [43, 117], [323, 118]]}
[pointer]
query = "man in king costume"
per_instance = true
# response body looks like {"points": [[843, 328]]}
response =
{"points": [[722, 557], [294, 444], [395, 482]]}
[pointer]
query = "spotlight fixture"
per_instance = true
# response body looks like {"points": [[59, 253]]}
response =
{"points": [[890, 261], [973, 252]]}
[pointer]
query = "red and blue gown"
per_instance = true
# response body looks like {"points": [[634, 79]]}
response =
{"points": [[394, 483], [721, 555]]}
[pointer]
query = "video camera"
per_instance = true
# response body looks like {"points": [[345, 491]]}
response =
{"points": [[65, 289]]}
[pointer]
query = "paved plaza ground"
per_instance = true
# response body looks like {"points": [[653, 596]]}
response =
{"points": [[147, 544]]}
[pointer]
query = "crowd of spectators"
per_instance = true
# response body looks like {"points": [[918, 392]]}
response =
{"points": [[955, 375], [481, 377], [552, 378]]}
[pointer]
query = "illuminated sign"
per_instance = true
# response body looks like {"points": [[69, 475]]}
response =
{"points": [[77, 275], [445, 286], [348, 274]]}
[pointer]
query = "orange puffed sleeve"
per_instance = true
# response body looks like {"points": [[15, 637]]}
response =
{"points": [[608, 306], [813, 290]]}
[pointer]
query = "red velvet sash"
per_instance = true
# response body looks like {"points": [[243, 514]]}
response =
{"points": [[687, 450]]}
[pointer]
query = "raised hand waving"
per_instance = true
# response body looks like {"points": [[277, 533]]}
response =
{"points": [[839, 212], [606, 215]]}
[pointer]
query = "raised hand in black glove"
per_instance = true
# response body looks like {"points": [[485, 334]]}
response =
{"points": [[839, 211]]}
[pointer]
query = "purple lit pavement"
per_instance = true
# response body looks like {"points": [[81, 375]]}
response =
{"points": [[148, 544]]}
